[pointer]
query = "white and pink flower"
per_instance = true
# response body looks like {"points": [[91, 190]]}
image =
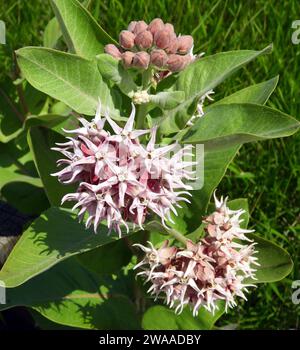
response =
{"points": [[119, 179], [203, 273]]}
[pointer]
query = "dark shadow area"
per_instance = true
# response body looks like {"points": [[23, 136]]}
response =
{"points": [[28, 199], [11, 220], [18, 318]]}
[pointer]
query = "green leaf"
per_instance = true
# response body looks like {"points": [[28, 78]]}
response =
{"points": [[71, 295], [53, 237], [107, 259], [68, 78], [229, 125], [52, 33], [275, 262], [9, 175], [258, 93], [40, 141], [10, 117], [28, 199], [81, 32], [162, 318], [167, 100], [113, 70], [201, 76], [216, 164], [9, 129], [16, 166]]}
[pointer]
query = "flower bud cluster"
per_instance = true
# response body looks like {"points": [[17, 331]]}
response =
{"points": [[156, 44]]}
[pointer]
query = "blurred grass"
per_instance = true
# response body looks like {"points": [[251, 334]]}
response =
{"points": [[267, 173]]}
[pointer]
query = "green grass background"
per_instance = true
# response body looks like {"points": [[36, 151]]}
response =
{"points": [[266, 173]]}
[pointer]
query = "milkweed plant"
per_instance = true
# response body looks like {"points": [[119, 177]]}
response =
{"points": [[130, 146]]}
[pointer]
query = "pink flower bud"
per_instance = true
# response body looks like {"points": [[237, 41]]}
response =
{"points": [[162, 39], [140, 27], [173, 45], [176, 63], [159, 58], [170, 28], [144, 39], [185, 43], [127, 58], [126, 39], [131, 26], [156, 25], [113, 51], [141, 60]]}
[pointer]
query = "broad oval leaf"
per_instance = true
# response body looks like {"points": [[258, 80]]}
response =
{"points": [[53, 237], [201, 76], [217, 160], [81, 32], [229, 125], [68, 78], [160, 317], [208, 72], [40, 141], [257, 93], [71, 295], [275, 262], [16, 166]]}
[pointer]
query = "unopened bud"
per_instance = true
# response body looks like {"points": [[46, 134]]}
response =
{"points": [[159, 58], [185, 43], [141, 60], [127, 58], [113, 51], [162, 39], [144, 39], [173, 45], [141, 97], [176, 63], [170, 28], [156, 25], [126, 39], [140, 27], [131, 26]]}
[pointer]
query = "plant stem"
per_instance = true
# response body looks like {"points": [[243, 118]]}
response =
{"points": [[156, 225], [142, 109], [177, 235], [146, 78], [141, 115]]}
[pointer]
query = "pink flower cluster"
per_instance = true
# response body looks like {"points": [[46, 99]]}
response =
{"points": [[119, 179], [213, 269]]}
